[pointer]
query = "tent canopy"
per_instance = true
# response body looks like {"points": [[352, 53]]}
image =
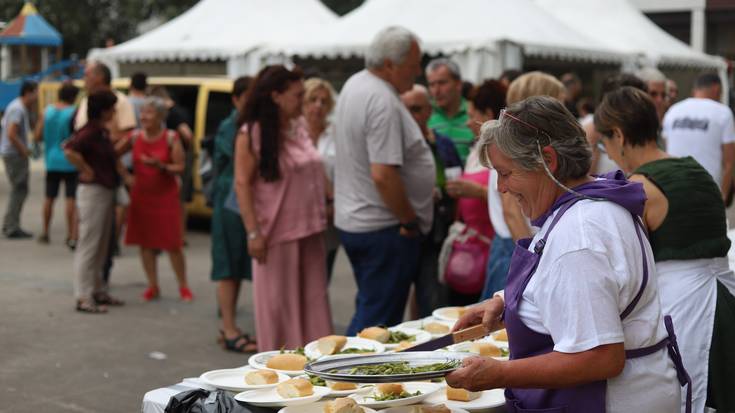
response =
{"points": [[30, 28], [623, 28], [450, 27], [222, 29]]}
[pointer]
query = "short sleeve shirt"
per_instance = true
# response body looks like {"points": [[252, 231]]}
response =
{"points": [[455, 127], [15, 114], [93, 143], [123, 120], [372, 126], [590, 271], [698, 128]]}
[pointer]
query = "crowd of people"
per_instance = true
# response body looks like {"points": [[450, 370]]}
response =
{"points": [[506, 193]]}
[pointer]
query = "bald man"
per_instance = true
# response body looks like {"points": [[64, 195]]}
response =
{"points": [[429, 293]]}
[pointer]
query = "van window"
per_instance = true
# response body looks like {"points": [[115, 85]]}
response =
{"points": [[219, 106]]}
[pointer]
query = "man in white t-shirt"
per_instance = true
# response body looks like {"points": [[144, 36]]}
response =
{"points": [[703, 128]]}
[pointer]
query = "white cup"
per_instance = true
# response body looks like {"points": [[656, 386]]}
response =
{"points": [[453, 173]]}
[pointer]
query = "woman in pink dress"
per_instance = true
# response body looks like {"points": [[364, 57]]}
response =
{"points": [[280, 186]]}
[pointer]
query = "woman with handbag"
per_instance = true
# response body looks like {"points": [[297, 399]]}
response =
{"points": [[473, 232]]}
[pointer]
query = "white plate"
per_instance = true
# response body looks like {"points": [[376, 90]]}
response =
{"points": [[361, 388], [312, 350], [449, 314], [314, 408], [234, 379], [421, 336], [419, 325], [488, 400], [464, 347], [426, 389], [259, 361], [271, 398], [409, 409]]}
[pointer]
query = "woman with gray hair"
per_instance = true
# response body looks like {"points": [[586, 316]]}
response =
{"points": [[581, 306], [154, 217]]}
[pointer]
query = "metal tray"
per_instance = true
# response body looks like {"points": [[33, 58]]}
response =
{"points": [[336, 369]]}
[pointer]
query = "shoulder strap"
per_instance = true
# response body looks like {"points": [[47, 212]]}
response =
{"points": [[540, 244]]}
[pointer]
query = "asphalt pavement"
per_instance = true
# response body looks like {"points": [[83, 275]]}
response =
{"points": [[54, 359]]}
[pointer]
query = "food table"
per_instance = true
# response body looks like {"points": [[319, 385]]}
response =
{"points": [[155, 401]]}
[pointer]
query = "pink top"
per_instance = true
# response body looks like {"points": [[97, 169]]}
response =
{"points": [[473, 211], [294, 206]]}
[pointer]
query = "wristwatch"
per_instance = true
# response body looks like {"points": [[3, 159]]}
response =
{"points": [[253, 235], [412, 226]]}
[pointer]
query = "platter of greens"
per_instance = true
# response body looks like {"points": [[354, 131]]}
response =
{"points": [[388, 367]]}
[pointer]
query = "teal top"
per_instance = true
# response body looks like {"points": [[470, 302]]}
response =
{"points": [[56, 130], [455, 127], [230, 258], [695, 225]]}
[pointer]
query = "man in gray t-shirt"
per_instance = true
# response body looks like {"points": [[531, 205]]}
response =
{"points": [[384, 179], [15, 153]]}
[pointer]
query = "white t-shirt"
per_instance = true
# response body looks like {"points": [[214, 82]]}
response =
{"points": [[590, 271], [495, 206], [698, 128], [604, 163]]}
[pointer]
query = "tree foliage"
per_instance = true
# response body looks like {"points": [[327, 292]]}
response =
{"points": [[89, 23]]}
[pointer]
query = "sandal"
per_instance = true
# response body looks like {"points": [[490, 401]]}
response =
{"points": [[246, 344], [84, 306], [186, 295], [71, 244], [107, 299]]}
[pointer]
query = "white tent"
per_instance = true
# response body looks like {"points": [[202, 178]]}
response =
{"points": [[620, 26], [484, 36], [230, 30]]}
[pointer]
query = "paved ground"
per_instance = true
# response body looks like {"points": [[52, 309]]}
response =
{"points": [[53, 359]]}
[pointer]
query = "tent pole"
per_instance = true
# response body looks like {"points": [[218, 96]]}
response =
{"points": [[5, 62], [23, 60]]}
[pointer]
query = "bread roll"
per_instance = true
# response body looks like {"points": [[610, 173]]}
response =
{"points": [[287, 361], [439, 408], [404, 345], [436, 328], [331, 344], [461, 395], [456, 312], [340, 385], [261, 377], [386, 389], [295, 388], [375, 333], [485, 349], [342, 405], [501, 335]]}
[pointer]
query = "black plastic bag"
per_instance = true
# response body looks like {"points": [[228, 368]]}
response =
{"points": [[203, 401]]}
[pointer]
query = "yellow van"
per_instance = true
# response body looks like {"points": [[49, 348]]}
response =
{"points": [[207, 100]]}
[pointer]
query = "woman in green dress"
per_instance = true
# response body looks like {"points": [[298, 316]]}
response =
{"points": [[685, 217], [230, 260]]}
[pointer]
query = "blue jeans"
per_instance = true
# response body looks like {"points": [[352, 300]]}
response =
{"points": [[384, 264], [501, 251]]}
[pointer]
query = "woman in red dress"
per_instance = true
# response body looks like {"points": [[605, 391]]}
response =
{"points": [[154, 216]]}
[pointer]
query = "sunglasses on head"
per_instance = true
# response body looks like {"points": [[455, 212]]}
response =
{"points": [[538, 131]]}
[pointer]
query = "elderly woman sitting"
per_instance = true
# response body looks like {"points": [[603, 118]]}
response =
{"points": [[581, 305], [154, 218]]}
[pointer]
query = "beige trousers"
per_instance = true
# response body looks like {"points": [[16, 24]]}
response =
{"points": [[95, 205]]}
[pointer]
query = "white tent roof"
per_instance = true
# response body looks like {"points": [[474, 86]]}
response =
{"points": [[619, 26], [447, 27], [222, 29]]}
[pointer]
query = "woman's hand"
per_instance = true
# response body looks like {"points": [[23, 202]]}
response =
{"points": [[257, 249], [86, 175], [486, 313], [462, 188], [477, 374], [151, 161]]}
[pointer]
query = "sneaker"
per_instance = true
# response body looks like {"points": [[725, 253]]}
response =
{"points": [[43, 239], [186, 294], [18, 234], [151, 293]]}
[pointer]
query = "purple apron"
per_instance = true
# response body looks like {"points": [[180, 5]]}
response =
{"points": [[524, 342]]}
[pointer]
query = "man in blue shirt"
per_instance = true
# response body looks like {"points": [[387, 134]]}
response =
{"points": [[15, 153]]}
